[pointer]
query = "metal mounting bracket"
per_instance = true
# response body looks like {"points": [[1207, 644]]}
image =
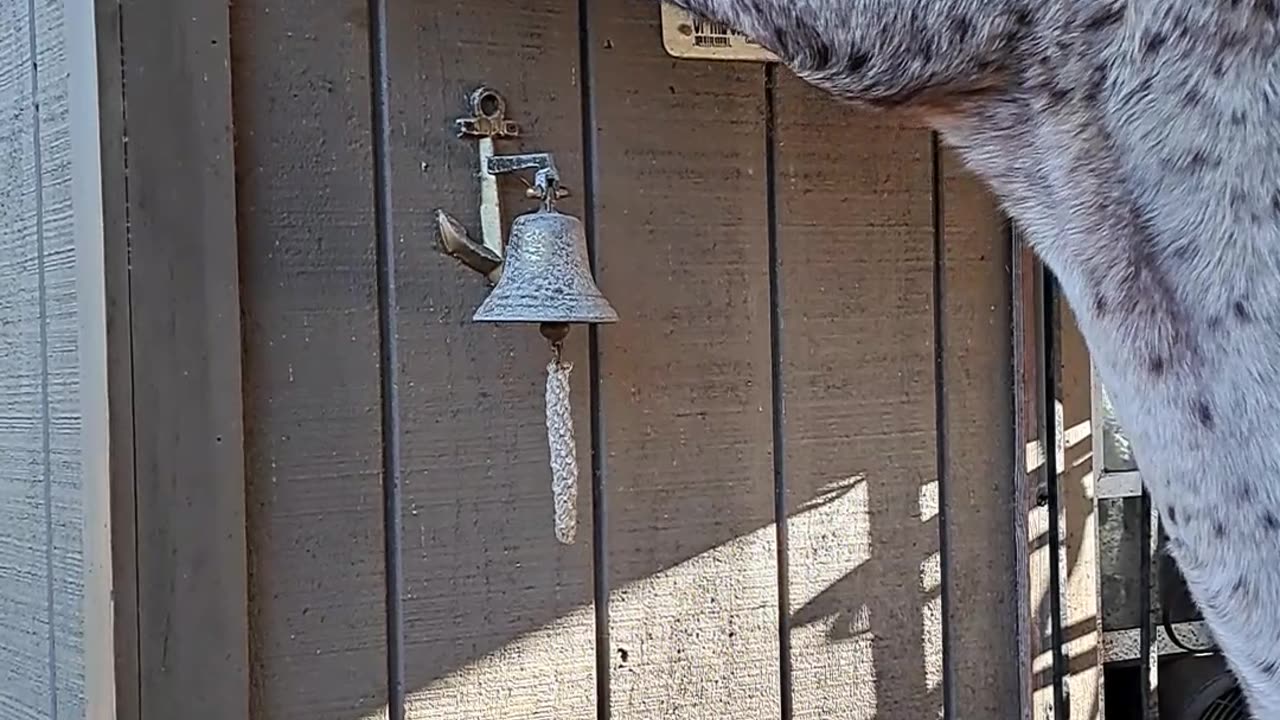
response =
{"points": [[487, 123]]}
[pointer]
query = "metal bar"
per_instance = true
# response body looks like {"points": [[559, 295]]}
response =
{"points": [[779, 449], [389, 355], [599, 496], [940, 424], [1051, 435], [1148, 669]]}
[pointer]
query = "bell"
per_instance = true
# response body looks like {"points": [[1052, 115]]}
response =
{"points": [[545, 277]]}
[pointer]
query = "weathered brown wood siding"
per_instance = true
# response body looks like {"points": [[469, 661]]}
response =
{"points": [[798, 444]]}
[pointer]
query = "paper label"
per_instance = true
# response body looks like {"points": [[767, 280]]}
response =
{"points": [[691, 37]]}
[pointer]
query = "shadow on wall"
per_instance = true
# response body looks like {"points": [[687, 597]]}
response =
{"points": [[870, 635], [1081, 631], [876, 611]]}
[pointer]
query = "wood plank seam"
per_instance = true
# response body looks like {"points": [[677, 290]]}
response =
{"points": [[46, 468]]}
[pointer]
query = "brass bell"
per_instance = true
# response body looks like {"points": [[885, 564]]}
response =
{"points": [[542, 273], [545, 276]]}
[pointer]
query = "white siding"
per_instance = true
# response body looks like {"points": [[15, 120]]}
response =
{"points": [[41, 513]]}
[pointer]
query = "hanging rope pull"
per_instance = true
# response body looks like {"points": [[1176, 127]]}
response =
{"points": [[560, 440]]}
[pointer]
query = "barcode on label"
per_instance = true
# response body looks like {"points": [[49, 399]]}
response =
{"points": [[710, 34]]}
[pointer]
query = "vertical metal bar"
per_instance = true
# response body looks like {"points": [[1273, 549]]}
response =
{"points": [[599, 514], [940, 423], [1098, 466], [1144, 605], [388, 349], [1052, 432], [779, 409], [1146, 613]]}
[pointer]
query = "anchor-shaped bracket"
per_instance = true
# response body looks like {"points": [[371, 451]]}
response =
{"points": [[488, 122]]}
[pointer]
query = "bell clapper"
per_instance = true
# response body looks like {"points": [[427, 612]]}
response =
{"points": [[555, 333]]}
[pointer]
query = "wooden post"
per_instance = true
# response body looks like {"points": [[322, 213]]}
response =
{"points": [[173, 344]]}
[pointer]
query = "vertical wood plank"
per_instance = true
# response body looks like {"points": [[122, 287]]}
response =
{"points": [[979, 428], [856, 254], [1029, 569], [499, 618], [1082, 607], [683, 253], [311, 359], [25, 652], [186, 357]]}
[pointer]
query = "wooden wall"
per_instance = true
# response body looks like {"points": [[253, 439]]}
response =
{"points": [[42, 669], [805, 491], [798, 443], [123, 582]]}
